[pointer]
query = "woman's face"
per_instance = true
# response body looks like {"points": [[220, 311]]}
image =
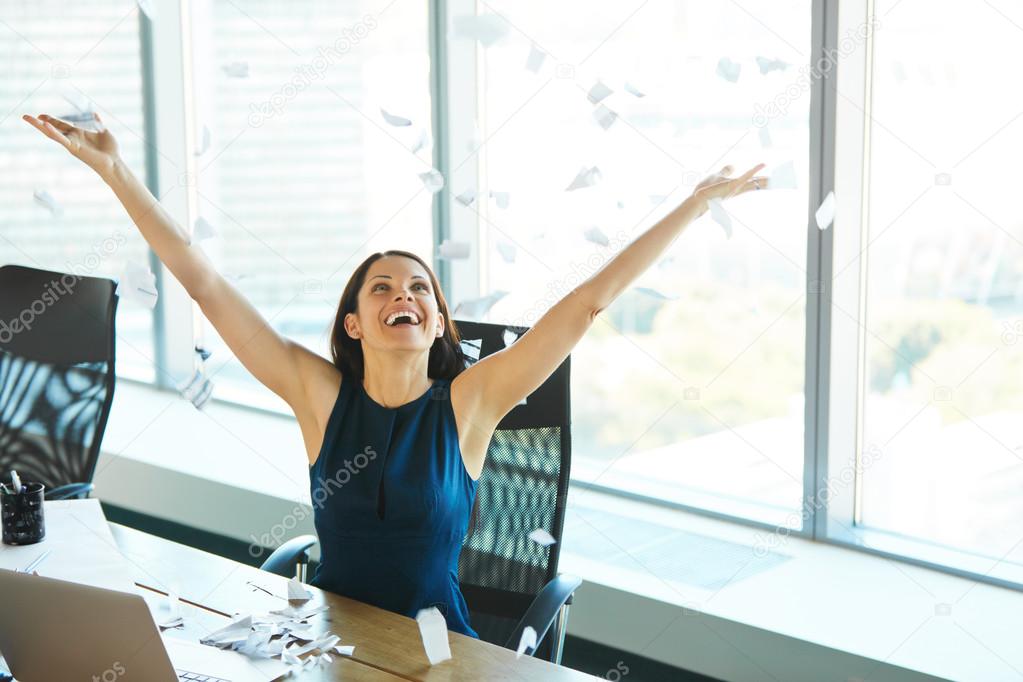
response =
{"points": [[396, 283]]}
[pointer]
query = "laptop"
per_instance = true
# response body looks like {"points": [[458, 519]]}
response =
{"points": [[57, 630]]}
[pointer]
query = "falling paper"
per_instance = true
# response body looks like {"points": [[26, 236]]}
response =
{"points": [[486, 28], [596, 235], [783, 177], [434, 631], [450, 249], [654, 293], [46, 200], [432, 180], [476, 308], [765, 137], [509, 337], [471, 349], [728, 69], [720, 215], [501, 198], [138, 284], [204, 143], [297, 591], [633, 90], [203, 230], [395, 120], [467, 197], [86, 120], [527, 641], [507, 250], [604, 116], [535, 59], [542, 537], [598, 92], [586, 177], [236, 69], [768, 65], [421, 141], [825, 214], [198, 389]]}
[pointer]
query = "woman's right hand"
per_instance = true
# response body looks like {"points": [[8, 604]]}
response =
{"points": [[96, 150]]}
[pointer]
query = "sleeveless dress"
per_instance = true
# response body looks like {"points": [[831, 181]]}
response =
{"points": [[391, 503]]}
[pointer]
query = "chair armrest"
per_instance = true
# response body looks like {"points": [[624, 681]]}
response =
{"points": [[71, 491], [541, 613], [283, 559]]}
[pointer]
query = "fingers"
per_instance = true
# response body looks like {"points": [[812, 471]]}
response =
{"points": [[47, 129], [740, 183], [61, 125]]}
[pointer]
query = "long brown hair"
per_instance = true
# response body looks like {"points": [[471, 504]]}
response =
{"points": [[446, 358]]}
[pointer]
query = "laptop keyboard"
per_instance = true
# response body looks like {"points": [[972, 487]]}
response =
{"points": [[195, 677]]}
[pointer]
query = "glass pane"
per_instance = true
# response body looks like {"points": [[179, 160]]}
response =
{"points": [[943, 411], [57, 68], [697, 398], [303, 177]]}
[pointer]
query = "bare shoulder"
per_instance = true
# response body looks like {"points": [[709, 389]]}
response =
{"points": [[321, 382]]}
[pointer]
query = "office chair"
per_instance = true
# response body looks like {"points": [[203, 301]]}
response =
{"points": [[291, 560], [509, 581], [56, 376]]}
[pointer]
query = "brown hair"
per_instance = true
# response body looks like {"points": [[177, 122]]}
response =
{"points": [[446, 358]]}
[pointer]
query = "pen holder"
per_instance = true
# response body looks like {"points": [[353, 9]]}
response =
{"points": [[21, 515]]}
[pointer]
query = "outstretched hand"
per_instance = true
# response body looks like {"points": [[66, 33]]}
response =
{"points": [[720, 186], [98, 150]]}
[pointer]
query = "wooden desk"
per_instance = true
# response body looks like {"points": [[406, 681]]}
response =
{"points": [[387, 645]]}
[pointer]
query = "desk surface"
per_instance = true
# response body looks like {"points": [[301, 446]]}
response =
{"points": [[387, 645]]}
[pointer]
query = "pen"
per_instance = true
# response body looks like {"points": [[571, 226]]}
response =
{"points": [[36, 562], [15, 481]]}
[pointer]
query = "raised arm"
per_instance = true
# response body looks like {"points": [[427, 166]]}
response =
{"points": [[283, 366], [501, 380]]}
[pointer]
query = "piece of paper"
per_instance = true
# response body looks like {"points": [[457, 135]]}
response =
{"points": [[421, 141], [46, 200], [471, 349], [526, 641], [86, 120], [596, 235], [485, 28], [535, 59], [475, 309], [604, 116], [138, 283], [347, 650], [433, 630], [215, 662], [467, 197], [236, 69], [507, 250], [453, 250], [768, 65], [203, 230], [633, 90], [204, 141], [598, 92], [825, 213], [236, 631], [542, 537], [297, 591], [197, 389], [765, 137], [324, 643], [502, 199], [586, 177], [728, 69], [783, 176], [720, 215], [300, 612], [432, 180], [393, 120], [508, 337]]}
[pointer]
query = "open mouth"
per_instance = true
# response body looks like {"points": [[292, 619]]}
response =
{"points": [[403, 320]]}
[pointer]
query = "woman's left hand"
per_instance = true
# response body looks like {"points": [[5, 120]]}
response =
{"points": [[720, 186]]}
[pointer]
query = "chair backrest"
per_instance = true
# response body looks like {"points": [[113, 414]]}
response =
{"points": [[524, 487], [57, 343]]}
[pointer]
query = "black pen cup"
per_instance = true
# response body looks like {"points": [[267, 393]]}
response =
{"points": [[21, 515]]}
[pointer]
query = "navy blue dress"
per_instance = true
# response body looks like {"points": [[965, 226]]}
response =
{"points": [[391, 503]]}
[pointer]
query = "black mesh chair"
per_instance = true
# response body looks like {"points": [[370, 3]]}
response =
{"points": [[56, 375], [510, 581]]}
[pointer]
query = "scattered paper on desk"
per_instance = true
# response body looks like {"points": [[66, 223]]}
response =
{"points": [[300, 612], [476, 308], [467, 197], [297, 591], [502, 199], [598, 92], [507, 250], [453, 250], [728, 69], [434, 631], [586, 177], [526, 641], [535, 59], [720, 215], [633, 90], [46, 200], [783, 176], [765, 137], [604, 116], [542, 537], [768, 65], [235, 631], [432, 180], [138, 283], [825, 214], [486, 28], [203, 230], [347, 650], [596, 235], [236, 69], [393, 120]]}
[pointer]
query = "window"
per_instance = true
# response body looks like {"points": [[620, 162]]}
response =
{"points": [[697, 399], [92, 55]]}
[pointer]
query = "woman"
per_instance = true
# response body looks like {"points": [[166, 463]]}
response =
{"points": [[395, 428]]}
